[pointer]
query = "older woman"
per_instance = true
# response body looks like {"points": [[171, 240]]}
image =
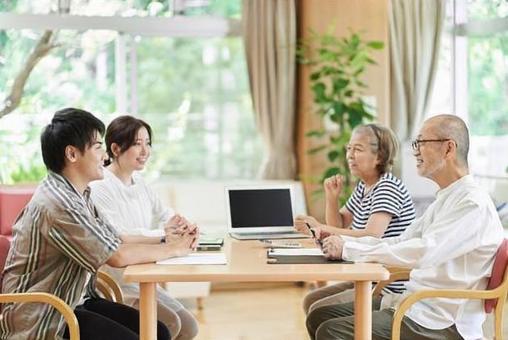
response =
{"points": [[134, 209], [380, 205]]}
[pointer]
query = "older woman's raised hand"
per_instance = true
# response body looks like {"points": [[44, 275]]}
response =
{"points": [[333, 186]]}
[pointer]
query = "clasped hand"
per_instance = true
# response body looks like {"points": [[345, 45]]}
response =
{"points": [[178, 229]]}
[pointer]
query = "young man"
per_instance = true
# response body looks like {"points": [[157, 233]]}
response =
{"points": [[452, 246], [60, 240]]}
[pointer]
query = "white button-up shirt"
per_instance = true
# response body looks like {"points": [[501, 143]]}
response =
{"points": [[452, 246]]}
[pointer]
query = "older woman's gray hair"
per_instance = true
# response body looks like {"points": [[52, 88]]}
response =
{"points": [[383, 143]]}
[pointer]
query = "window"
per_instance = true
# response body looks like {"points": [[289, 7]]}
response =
{"points": [[188, 81], [472, 79]]}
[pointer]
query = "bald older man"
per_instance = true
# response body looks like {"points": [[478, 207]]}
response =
{"points": [[452, 246]]}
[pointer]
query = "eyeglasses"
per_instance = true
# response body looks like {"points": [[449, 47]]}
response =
{"points": [[415, 144]]}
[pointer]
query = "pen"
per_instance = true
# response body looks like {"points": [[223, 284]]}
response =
{"points": [[314, 235]]}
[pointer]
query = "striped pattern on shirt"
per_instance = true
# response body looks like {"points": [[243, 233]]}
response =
{"points": [[58, 240], [388, 195]]}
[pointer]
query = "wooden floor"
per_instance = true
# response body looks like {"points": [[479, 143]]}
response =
{"points": [[253, 314], [273, 313]]}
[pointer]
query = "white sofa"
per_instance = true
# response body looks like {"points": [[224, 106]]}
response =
{"points": [[203, 202]]}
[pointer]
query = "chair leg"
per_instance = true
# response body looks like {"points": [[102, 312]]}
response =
{"points": [[498, 320], [199, 303]]}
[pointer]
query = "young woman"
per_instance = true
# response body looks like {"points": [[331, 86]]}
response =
{"points": [[380, 205], [134, 209]]}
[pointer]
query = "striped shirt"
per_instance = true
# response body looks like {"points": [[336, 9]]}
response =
{"points": [[388, 195], [58, 241]]}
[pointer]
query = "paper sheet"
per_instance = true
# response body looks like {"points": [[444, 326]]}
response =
{"points": [[197, 258], [297, 252]]}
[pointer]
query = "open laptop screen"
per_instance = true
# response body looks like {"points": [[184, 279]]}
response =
{"points": [[254, 208]]}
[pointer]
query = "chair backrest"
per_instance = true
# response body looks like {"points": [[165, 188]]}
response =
{"points": [[5, 245], [12, 201], [498, 273]]}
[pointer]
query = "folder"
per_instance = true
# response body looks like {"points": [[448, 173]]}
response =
{"points": [[299, 256]]}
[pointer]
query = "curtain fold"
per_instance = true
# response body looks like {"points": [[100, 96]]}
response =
{"points": [[415, 37], [269, 31]]}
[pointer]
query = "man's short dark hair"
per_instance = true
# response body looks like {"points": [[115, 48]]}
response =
{"points": [[69, 126]]}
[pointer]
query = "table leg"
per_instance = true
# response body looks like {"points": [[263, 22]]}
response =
{"points": [[147, 311], [363, 310]]}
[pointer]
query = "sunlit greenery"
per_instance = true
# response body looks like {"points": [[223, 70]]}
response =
{"points": [[487, 86], [488, 72], [193, 91], [225, 8]]}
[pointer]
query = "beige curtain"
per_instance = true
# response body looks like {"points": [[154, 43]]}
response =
{"points": [[415, 35], [269, 30]]}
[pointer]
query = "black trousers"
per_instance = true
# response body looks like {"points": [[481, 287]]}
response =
{"points": [[100, 319]]}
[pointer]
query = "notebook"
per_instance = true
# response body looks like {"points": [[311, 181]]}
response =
{"points": [[260, 212]]}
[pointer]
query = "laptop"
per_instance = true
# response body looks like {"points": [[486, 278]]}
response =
{"points": [[256, 213]]}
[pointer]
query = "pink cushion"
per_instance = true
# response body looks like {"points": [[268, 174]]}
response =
{"points": [[12, 201], [500, 264]]}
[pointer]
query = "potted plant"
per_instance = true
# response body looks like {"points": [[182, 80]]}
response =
{"points": [[337, 66]]}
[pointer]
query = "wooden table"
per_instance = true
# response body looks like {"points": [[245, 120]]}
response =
{"points": [[247, 263]]}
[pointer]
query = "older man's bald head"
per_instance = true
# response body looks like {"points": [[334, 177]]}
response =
{"points": [[453, 127]]}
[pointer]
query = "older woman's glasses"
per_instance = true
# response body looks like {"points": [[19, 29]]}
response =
{"points": [[415, 144]]}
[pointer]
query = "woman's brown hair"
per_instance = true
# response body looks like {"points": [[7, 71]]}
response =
{"points": [[123, 131]]}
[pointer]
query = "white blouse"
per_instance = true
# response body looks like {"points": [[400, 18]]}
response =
{"points": [[452, 246], [132, 209]]}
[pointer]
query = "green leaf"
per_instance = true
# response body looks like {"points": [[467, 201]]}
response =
{"points": [[338, 108], [355, 118], [315, 133], [317, 149], [335, 118], [361, 84], [355, 40], [319, 92], [315, 76], [328, 70], [358, 71], [339, 63], [377, 45], [333, 155], [332, 171], [340, 84], [368, 116]]}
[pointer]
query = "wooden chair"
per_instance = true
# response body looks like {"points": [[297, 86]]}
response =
{"points": [[109, 287], [105, 284], [396, 273], [494, 295]]}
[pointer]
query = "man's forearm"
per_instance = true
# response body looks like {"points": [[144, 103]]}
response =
{"points": [[370, 249], [140, 239], [135, 253]]}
